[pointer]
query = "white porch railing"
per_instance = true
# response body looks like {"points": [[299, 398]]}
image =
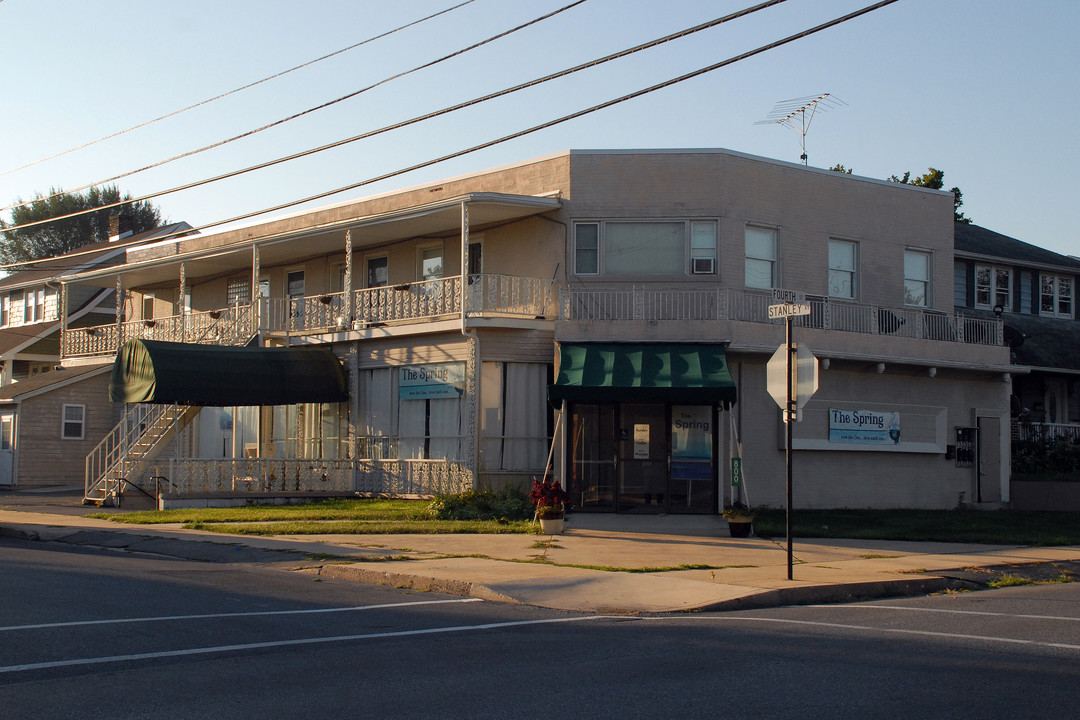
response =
{"points": [[1041, 432], [265, 475], [705, 304], [232, 325]]}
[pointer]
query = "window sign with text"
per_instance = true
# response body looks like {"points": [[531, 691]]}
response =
{"points": [[424, 382], [868, 427]]}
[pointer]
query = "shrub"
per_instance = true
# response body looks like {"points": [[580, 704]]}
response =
{"points": [[506, 504]]}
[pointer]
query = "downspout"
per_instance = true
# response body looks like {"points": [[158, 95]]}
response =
{"points": [[472, 369]]}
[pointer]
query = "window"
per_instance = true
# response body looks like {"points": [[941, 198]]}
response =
{"points": [[916, 278], [587, 249], [35, 305], [378, 273], [74, 422], [992, 286], [148, 306], [5, 310], [238, 291], [646, 247], [842, 269], [1055, 295], [294, 286], [760, 258], [431, 262], [703, 248]]}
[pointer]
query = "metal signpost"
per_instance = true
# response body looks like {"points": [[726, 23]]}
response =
{"points": [[792, 379]]}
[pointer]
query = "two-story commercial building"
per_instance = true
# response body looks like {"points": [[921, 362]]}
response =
{"points": [[606, 309]]}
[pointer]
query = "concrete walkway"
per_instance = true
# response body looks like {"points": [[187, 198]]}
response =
{"points": [[601, 563]]}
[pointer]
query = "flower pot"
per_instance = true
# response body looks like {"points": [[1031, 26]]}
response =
{"points": [[740, 528], [551, 526]]}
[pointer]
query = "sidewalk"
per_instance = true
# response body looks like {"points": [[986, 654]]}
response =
{"points": [[690, 562]]}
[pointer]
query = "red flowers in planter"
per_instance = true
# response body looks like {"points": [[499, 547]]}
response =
{"points": [[548, 496]]}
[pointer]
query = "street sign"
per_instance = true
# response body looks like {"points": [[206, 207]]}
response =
{"points": [[788, 297], [804, 377], [784, 310]]}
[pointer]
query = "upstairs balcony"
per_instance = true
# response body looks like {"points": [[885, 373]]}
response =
{"points": [[486, 296], [708, 313]]}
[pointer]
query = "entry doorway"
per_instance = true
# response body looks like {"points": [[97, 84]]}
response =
{"points": [[988, 463], [7, 448], [646, 458]]}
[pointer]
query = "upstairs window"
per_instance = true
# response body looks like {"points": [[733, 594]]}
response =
{"points": [[760, 257], [5, 310], [842, 269], [645, 247], [378, 271], [916, 278], [1055, 295], [993, 286], [431, 262], [238, 291]]}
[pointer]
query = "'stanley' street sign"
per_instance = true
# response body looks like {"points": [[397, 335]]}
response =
{"points": [[787, 309]]}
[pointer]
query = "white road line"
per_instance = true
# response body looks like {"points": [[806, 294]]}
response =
{"points": [[167, 618], [283, 643], [871, 628], [951, 612]]}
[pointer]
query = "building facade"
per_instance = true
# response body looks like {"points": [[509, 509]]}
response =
{"points": [[606, 312]]}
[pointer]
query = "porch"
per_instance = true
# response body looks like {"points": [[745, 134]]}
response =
{"points": [[692, 306], [486, 296]]}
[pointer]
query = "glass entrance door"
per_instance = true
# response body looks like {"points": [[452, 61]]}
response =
{"points": [[692, 487], [643, 459], [591, 481]]}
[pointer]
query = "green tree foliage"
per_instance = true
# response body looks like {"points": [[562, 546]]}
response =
{"points": [[838, 167], [64, 236], [935, 180]]}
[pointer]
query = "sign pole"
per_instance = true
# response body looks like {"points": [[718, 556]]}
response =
{"points": [[790, 420]]}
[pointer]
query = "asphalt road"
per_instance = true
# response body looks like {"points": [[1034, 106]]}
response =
{"points": [[98, 634]]}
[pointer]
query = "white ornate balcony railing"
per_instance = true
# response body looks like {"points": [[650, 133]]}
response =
{"points": [[263, 475], [488, 295], [705, 304]]}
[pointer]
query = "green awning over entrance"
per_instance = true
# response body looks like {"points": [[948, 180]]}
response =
{"points": [[151, 371], [685, 373]]}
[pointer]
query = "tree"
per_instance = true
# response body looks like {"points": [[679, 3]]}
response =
{"points": [[935, 180], [64, 236], [838, 167]]}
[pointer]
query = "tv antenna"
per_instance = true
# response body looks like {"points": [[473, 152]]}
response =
{"points": [[798, 113]]}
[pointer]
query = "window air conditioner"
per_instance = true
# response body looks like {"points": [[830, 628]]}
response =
{"points": [[703, 266]]}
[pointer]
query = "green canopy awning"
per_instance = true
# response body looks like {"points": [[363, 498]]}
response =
{"points": [[151, 371], [687, 373]]}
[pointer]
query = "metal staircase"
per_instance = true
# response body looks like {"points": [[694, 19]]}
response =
{"points": [[123, 456]]}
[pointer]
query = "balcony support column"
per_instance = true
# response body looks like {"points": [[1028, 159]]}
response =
{"points": [[471, 451], [62, 305], [120, 292], [183, 306], [256, 301], [346, 282]]}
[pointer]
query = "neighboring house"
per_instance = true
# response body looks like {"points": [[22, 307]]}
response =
{"points": [[607, 308], [31, 326], [1034, 292]]}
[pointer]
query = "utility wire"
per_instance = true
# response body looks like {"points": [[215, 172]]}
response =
{"points": [[564, 118], [230, 92], [428, 116], [543, 126], [305, 112]]}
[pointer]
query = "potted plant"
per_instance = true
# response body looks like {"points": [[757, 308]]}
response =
{"points": [[550, 500], [740, 519]]}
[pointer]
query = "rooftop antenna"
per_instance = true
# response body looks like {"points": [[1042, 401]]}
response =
{"points": [[798, 113]]}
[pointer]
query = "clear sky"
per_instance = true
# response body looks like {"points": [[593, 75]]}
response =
{"points": [[985, 90]]}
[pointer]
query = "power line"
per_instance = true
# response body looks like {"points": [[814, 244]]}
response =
{"points": [[565, 118], [550, 123], [226, 94], [301, 114], [427, 116]]}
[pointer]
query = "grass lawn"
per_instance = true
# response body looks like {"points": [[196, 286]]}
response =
{"points": [[992, 527], [352, 517], [380, 516]]}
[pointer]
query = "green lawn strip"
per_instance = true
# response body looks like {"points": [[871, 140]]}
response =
{"points": [[992, 527], [366, 527], [377, 509]]}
